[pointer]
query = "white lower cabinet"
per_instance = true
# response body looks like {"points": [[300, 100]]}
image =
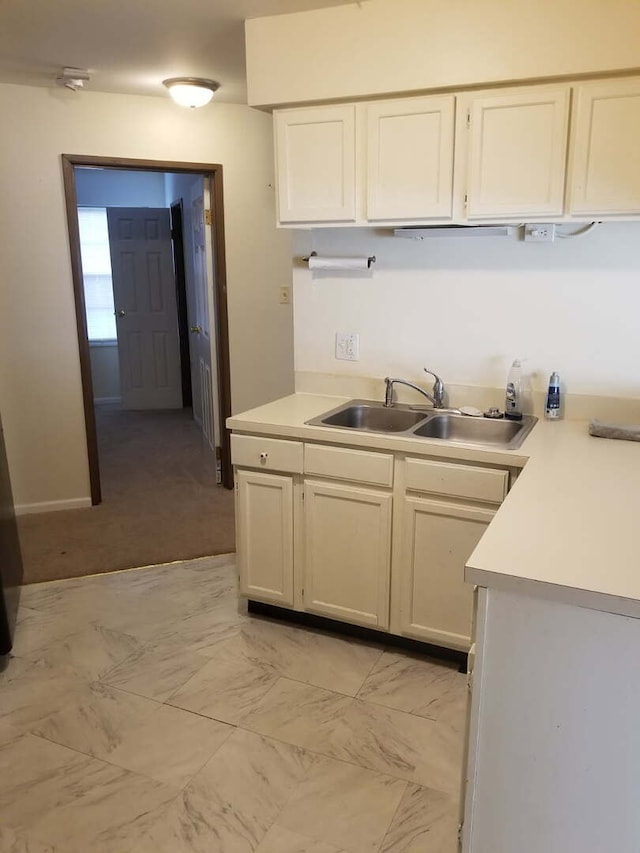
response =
{"points": [[264, 535], [444, 509], [268, 498], [347, 552], [435, 604], [360, 536]]}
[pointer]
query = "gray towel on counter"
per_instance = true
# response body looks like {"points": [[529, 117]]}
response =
{"points": [[628, 432]]}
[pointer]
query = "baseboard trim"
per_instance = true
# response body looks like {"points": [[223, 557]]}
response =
{"points": [[52, 506], [310, 620]]}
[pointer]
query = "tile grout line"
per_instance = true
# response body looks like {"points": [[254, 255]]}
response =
{"points": [[104, 761], [351, 763], [179, 791], [368, 675], [397, 809]]}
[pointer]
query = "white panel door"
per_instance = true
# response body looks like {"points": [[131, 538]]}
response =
{"points": [[410, 158], [264, 536], [605, 175], [437, 540], [144, 292], [315, 158], [517, 153], [348, 553]]}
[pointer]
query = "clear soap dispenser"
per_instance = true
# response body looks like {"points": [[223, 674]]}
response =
{"points": [[513, 392]]}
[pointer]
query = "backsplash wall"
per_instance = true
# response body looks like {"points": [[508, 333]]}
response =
{"points": [[466, 307]]}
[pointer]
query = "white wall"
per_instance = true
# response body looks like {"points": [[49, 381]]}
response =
{"points": [[467, 307], [40, 391], [119, 188], [387, 46]]}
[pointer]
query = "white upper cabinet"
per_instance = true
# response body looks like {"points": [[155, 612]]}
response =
{"points": [[495, 155], [410, 158], [517, 153], [315, 160], [605, 173]]}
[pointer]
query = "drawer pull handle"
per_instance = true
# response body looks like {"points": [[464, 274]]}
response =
{"points": [[263, 458]]}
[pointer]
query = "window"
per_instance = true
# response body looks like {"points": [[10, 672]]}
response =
{"points": [[96, 273]]}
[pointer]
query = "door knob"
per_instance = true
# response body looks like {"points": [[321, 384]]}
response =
{"points": [[120, 313], [196, 329]]}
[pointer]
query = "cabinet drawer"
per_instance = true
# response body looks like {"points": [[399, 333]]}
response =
{"points": [[357, 465], [459, 481], [269, 454]]}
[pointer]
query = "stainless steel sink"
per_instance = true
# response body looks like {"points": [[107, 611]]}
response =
{"points": [[370, 416], [485, 431], [402, 420]]}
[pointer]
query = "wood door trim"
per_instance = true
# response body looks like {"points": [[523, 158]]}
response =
{"points": [[222, 323], [71, 200], [211, 172]]}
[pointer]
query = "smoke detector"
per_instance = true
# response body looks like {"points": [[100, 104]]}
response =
{"points": [[73, 78]]}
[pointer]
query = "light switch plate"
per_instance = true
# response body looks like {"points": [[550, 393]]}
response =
{"points": [[347, 346]]}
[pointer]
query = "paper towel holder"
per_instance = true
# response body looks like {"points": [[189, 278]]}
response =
{"points": [[371, 259]]}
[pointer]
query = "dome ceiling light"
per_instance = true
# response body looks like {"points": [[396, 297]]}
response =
{"points": [[191, 91], [73, 78]]}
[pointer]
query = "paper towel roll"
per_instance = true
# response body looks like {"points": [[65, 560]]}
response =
{"points": [[328, 263]]}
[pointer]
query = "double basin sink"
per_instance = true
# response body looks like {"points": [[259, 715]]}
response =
{"points": [[371, 416]]}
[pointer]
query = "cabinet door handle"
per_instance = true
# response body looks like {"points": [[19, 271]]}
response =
{"points": [[263, 458]]}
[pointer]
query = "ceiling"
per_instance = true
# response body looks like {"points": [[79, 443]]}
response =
{"points": [[130, 46]]}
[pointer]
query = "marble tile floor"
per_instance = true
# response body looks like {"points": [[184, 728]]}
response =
{"points": [[146, 712]]}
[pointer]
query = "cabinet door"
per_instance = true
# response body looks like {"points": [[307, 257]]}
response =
{"points": [[348, 553], [410, 158], [264, 536], [605, 176], [517, 153], [315, 157], [438, 539]]}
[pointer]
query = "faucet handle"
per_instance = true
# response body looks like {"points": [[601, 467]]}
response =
{"points": [[438, 387]]}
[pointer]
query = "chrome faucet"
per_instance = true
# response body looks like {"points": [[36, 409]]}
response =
{"points": [[436, 397]]}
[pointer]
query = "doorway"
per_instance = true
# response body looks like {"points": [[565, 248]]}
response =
{"points": [[200, 352]]}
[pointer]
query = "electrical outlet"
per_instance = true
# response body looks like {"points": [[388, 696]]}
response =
{"points": [[285, 295], [540, 232], [347, 346]]}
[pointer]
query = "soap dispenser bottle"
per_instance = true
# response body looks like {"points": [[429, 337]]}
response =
{"points": [[513, 393]]}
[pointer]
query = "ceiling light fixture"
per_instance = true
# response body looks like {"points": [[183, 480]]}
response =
{"points": [[73, 78], [191, 91]]}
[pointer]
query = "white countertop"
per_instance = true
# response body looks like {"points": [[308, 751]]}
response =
{"points": [[569, 528], [286, 418]]}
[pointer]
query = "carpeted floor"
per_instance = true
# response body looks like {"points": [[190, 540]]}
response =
{"points": [[160, 502]]}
